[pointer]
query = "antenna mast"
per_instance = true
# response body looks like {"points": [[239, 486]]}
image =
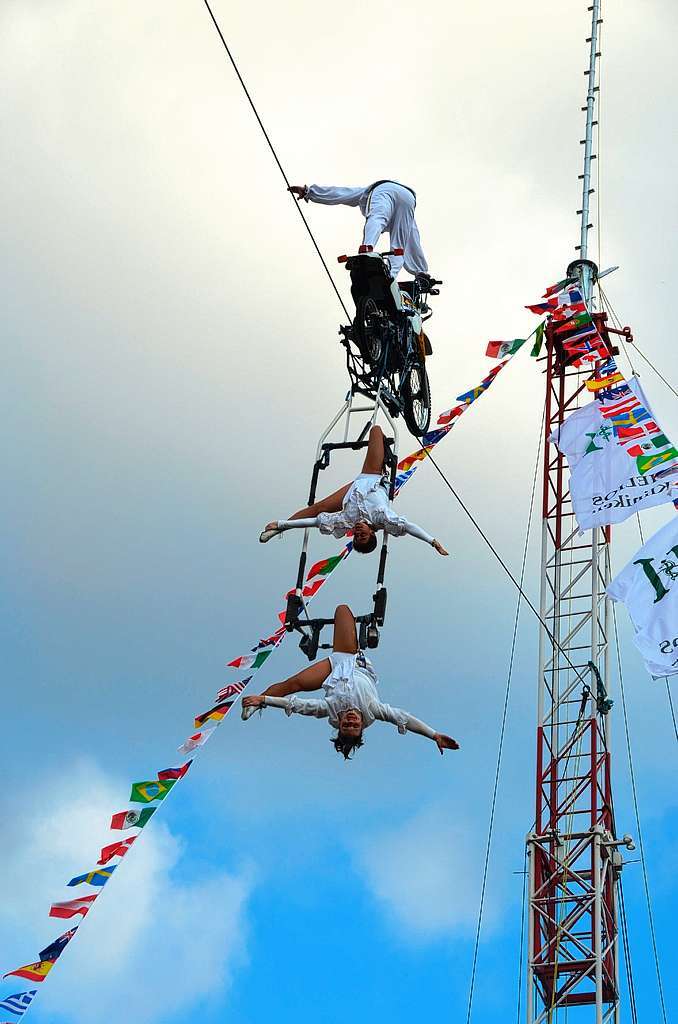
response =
{"points": [[573, 854]]}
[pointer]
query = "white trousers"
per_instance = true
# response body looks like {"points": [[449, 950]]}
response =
{"points": [[391, 208]]}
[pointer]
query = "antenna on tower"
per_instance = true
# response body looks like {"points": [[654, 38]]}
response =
{"points": [[584, 268], [574, 864]]}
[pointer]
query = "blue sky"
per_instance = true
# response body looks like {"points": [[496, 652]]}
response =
{"points": [[171, 359]]}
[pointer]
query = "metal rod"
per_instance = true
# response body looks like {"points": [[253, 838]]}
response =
{"points": [[586, 277]]}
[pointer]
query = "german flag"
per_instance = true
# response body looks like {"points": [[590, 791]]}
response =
{"points": [[215, 714]]}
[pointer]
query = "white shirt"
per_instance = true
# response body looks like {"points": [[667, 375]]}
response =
{"points": [[352, 684], [366, 501], [388, 206]]}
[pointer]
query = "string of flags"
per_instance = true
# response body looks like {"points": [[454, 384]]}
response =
{"points": [[606, 488], [621, 462], [152, 792]]}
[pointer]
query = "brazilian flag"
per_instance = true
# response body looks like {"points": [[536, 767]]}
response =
{"points": [[154, 789]]}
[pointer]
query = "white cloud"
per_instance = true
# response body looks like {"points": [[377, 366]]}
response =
{"points": [[425, 874], [145, 924]]}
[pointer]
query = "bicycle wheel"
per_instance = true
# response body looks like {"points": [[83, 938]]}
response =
{"points": [[416, 395], [367, 329]]}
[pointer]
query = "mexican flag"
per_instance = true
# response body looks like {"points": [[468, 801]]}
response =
{"points": [[132, 819], [250, 661], [501, 349]]}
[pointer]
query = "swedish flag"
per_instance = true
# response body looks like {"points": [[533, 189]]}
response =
{"points": [[98, 877]]}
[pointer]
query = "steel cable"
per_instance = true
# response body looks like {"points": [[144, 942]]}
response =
{"points": [[502, 730], [276, 158], [641, 844]]}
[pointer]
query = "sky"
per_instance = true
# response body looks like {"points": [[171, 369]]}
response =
{"points": [[171, 357]]}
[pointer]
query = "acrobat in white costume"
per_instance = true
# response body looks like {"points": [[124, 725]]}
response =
{"points": [[386, 206]]}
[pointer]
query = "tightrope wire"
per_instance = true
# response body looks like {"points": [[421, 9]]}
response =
{"points": [[275, 157], [641, 844], [666, 678], [502, 730], [508, 572], [632, 345], [653, 367]]}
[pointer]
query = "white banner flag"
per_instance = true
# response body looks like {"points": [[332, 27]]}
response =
{"points": [[603, 485], [648, 586]]}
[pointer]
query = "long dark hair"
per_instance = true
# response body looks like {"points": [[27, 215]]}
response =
{"points": [[346, 744], [366, 546]]}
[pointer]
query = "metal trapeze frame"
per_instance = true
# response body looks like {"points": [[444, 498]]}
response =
{"points": [[574, 858], [297, 617]]}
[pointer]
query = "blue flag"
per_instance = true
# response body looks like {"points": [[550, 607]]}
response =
{"points": [[19, 1003], [98, 877]]}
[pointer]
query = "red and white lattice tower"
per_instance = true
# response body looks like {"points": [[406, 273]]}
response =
{"points": [[573, 856]]}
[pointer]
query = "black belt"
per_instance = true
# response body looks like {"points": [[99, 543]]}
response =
{"points": [[387, 181]]}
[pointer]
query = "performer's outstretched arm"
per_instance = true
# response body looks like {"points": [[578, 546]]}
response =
{"points": [[328, 195], [405, 722]]}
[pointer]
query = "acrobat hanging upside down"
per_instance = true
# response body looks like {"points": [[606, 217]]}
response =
{"points": [[361, 506], [351, 702]]}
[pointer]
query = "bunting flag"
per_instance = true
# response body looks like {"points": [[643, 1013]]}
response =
{"points": [[501, 349], [32, 972], [604, 485], [172, 773], [72, 907], [247, 661], [18, 1003], [559, 286], [538, 340], [56, 948], [232, 690], [633, 424], [325, 566], [540, 308], [576, 329], [579, 320], [198, 739], [115, 850], [317, 576], [271, 641], [215, 714], [132, 819], [471, 396], [145, 792], [97, 877], [451, 414]]}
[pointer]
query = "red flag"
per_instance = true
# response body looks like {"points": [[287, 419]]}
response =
{"points": [[232, 690], [174, 773], [445, 417], [115, 850], [72, 907]]}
